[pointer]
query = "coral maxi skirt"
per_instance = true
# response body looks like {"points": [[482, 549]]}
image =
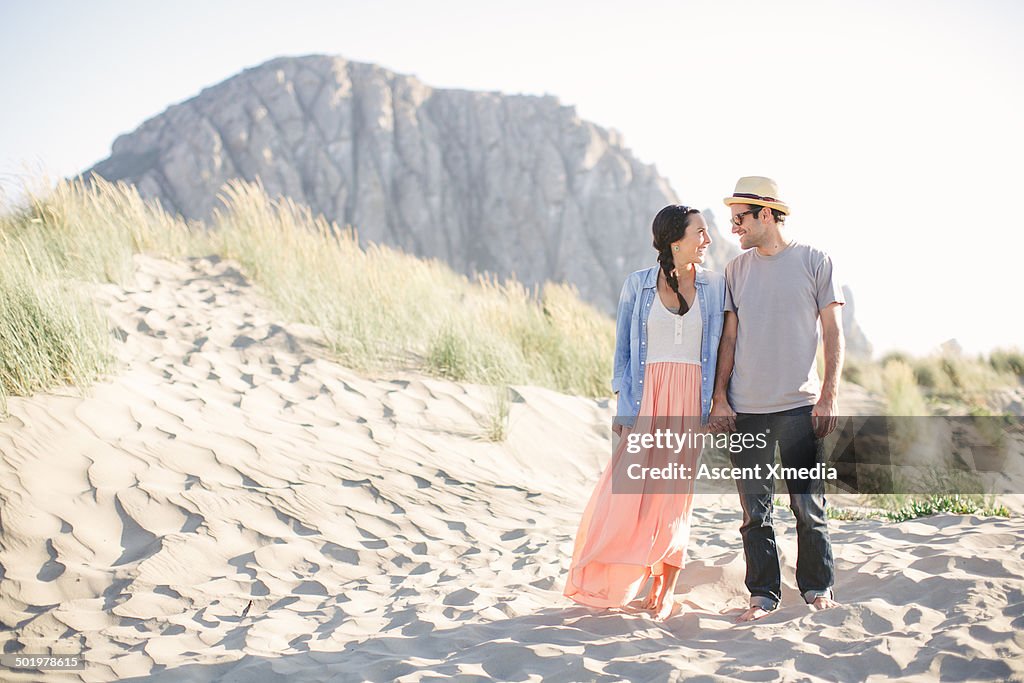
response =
{"points": [[628, 534]]}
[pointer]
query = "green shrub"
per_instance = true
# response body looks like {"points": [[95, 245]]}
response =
{"points": [[928, 375], [971, 376], [847, 515], [956, 504], [903, 397], [895, 356], [1007, 361]]}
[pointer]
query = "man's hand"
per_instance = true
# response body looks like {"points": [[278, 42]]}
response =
{"points": [[823, 416], [722, 417]]}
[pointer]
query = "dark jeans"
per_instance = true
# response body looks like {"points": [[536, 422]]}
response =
{"points": [[798, 447]]}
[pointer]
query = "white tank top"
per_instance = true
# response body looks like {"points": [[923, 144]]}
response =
{"points": [[672, 338]]}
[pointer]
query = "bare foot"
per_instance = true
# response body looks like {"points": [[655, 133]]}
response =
{"points": [[752, 614], [823, 603], [668, 603], [652, 599]]}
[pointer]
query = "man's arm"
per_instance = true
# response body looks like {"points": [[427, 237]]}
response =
{"points": [[834, 343], [722, 417]]}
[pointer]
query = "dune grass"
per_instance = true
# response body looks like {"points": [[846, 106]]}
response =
{"points": [[497, 421], [378, 308], [902, 394], [902, 507], [923, 506], [940, 383], [1008, 361], [916, 387], [895, 508], [51, 333]]}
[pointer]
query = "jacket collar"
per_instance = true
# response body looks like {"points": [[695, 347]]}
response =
{"points": [[651, 277]]}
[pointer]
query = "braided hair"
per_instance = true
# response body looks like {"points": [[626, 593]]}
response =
{"points": [[670, 226]]}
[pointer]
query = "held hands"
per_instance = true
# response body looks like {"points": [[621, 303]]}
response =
{"points": [[722, 417], [823, 416], [616, 426]]}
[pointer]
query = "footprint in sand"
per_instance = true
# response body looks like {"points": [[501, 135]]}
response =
{"points": [[461, 597], [51, 569]]}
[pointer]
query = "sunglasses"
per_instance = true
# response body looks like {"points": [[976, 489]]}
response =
{"points": [[737, 220]]}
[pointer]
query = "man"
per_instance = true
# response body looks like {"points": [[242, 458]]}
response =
{"points": [[767, 383]]}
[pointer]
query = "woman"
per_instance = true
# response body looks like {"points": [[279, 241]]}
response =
{"points": [[668, 327]]}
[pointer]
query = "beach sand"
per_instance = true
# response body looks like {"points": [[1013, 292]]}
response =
{"points": [[231, 505]]}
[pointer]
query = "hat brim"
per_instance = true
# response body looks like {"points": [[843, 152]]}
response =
{"points": [[729, 201]]}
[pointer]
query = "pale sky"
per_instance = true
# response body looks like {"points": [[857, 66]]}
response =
{"points": [[892, 127]]}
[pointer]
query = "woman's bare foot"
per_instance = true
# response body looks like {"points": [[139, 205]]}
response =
{"points": [[653, 597], [663, 601], [664, 610]]}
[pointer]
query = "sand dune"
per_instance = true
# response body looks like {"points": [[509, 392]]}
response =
{"points": [[230, 505]]}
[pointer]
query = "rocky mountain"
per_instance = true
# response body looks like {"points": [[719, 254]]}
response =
{"points": [[510, 184], [856, 341]]}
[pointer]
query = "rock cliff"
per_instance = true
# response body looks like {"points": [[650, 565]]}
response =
{"points": [[509, 184]]}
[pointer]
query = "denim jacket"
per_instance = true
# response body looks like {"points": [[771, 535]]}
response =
{"points": [[638, 293]]}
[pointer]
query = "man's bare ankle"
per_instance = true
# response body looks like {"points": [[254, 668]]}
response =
{"points": [[753, 613], [824, 602]]}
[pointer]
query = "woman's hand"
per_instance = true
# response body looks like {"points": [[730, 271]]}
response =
{"points": [[616, 426]]}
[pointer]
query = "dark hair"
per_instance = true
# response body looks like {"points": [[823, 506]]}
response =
{"points": [[776, 214], [670, 226]]}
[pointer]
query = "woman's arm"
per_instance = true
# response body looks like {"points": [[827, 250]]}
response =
{"points": [[623, 320], [623, 323]]}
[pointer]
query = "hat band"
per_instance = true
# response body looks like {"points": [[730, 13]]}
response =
{"points": [[743, 195]]}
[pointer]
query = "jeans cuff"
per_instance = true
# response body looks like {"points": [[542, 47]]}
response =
{"points": [[767, 604], [811, 596]]}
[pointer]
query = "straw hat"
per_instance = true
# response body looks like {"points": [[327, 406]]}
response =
{"points": [[758, 191]]}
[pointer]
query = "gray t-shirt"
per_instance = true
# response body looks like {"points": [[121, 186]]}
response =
{"points": [[776, 300]]}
